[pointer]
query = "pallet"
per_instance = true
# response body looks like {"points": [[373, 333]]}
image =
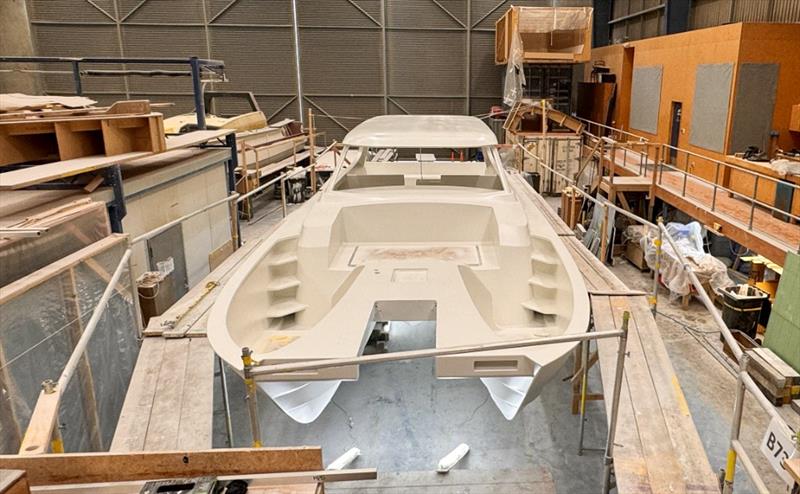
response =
{"points": [[126, 127]]}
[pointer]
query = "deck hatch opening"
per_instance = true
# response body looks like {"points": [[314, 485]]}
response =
{"points": [[495, 365]]}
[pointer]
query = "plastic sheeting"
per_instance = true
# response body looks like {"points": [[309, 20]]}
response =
{"points": [[38, 330], [20, 257], [538, 20], [689, 240]]}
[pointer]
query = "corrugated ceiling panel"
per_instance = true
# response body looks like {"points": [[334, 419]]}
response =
{"points": [[426, 62], [340, 13], [341, 61], [419, 13], [151, 41], [162, 11], [487, 78], [69, 41], [256, 59], [250, 12], [69, 10]]}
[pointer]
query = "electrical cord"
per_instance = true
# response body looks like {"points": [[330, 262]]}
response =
{"points": [[699, 336]]}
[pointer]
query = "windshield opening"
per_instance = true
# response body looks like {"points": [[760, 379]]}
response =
{"points": [[421, 167]]}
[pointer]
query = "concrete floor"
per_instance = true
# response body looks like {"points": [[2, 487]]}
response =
{"points": [[404, 420]]}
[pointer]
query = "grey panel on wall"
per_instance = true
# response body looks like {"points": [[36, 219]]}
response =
{"points": [[712, 95], [753, 105], [646, 98]]}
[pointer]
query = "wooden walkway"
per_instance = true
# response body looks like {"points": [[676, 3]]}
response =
{"points": [[769, 236], [657, 446], [170, 401]]}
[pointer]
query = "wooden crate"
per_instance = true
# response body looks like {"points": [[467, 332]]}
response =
{"points": [[635, 254], [126, 127]]}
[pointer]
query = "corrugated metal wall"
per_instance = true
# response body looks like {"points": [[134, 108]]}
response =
{"points": [[707, 13], [358, 58], [626, 25]]}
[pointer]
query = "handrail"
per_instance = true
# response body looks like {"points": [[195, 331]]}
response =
{"points": [[731, 165], [727, 164], [587, 196], [748, 198], [745, 382], [613, 129]]}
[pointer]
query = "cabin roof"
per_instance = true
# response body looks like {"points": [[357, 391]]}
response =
{"points": [[421, 131]]}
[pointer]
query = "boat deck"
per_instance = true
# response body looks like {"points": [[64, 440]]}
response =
{"points": [[657, 442]]}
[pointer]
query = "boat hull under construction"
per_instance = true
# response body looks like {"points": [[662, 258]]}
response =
{"points": [[419, 238]]}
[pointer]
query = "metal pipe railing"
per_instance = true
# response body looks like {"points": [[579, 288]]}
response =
{"points": [[663, 164], [251, 371], [745, 382]]}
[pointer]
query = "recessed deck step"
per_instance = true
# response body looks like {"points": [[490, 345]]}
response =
{"points": [[542, 258], [282, 259], [285, 308], [282, 283], [540, 283], [542, 307]]}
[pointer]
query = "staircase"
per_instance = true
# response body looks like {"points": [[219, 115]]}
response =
{"points": [[544, 289], [283, 284]]}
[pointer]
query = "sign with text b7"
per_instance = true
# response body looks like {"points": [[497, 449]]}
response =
{"points": [[777, 446]]}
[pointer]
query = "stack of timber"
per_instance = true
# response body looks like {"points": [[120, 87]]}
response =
{"points": [[657, 448], [779, 382]]}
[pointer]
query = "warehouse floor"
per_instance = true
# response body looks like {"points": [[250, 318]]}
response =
{"points": [[404, 420]]}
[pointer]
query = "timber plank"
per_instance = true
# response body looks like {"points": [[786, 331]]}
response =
{"points": [[134, 418], [195, 427], [162, 434], [72, 468]]}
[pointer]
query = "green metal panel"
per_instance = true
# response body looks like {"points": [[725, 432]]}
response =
{"points": [[783, 329]]}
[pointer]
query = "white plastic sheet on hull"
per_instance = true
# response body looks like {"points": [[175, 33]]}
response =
{"points": [[508, 393], [302, 401]]}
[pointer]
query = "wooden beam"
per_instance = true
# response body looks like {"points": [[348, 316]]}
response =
{"points": [[256, 482], [40, 428], [22, 285], [72, 468], [14, 482]]}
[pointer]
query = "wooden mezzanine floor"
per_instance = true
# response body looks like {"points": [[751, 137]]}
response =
{"points": [[769, 236]]}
